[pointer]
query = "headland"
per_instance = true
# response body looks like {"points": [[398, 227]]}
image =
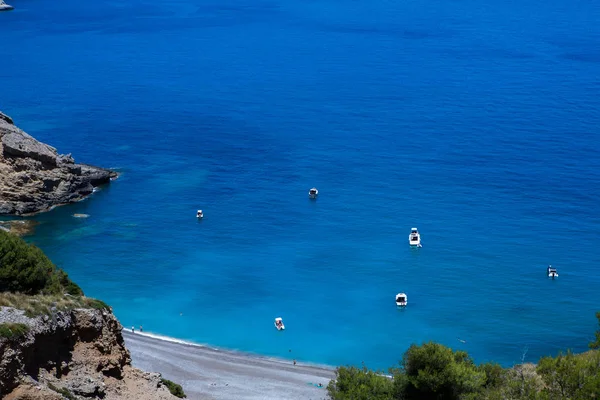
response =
{"points": [[34, 177]]}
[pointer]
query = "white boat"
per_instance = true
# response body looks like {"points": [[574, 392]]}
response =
{"points": [[313, 193], [414, 239], [401, 300], [5, 7], [552, 273], [279, 324], [199, 214]]}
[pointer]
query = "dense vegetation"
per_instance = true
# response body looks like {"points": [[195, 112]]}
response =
{"points": [[596, 343], [434, 372], [29, 281], [174, 388], [25, 268]]}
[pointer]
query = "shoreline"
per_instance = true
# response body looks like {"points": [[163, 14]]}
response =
{"points": [[224, 350], [211, 373]]}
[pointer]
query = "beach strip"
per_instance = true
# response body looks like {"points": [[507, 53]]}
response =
{"points": [[209, 373]]}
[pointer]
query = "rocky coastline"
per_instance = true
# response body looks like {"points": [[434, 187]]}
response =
{"points": [[5, 7], [35, 178], [75, 354]]}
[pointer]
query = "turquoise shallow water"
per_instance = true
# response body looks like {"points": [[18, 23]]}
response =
{"points": [[478, 124]]}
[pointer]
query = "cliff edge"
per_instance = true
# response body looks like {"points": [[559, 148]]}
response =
{"points": [[73, 354], [35, 178]]}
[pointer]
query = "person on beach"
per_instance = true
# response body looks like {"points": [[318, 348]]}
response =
{"points": [[294, 361], [132, 329], [141, 330]]}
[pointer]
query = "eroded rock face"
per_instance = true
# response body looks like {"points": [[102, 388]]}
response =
{"points": [[80, 351], [6, 118], [19, 144], [35, 178]]}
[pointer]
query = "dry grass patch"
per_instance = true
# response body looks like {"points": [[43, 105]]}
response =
{"points": [[10, 330], [38, 304]]}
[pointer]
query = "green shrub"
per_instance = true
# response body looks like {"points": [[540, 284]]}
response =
{"points": [[25, 268], [596, 343], [520, 383], [12, 331], [434, 371], [353, 383], [174, 388], [62, 284], [571, 376], [495, 375]]}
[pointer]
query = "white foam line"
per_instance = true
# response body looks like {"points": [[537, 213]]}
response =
{"points": [[216, 349], [169, 339]]}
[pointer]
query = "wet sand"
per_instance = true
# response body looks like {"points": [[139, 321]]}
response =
{"points": [[207, 373]]}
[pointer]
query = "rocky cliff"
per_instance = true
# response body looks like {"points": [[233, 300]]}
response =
{"points": [[35, 178], [76, 354]]}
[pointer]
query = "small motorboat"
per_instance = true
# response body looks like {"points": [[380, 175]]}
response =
{"points": [[414, 239], [313, 193], [199, 214], [401, 300], [279, 324], [81, 215], [5, 7], [552, 273]]}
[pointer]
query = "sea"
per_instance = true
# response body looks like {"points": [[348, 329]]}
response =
{"points": [[476, 122]]}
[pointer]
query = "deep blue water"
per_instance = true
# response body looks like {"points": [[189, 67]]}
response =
{"points": [[476, 122]]}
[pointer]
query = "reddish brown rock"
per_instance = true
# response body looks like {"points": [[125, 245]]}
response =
{"points": [[81, 352]]}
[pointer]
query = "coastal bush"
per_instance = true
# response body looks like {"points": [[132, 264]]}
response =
{"points": [[495, 375], [596, 343], [60, 283], [434, 372], [521, 383], [174, 388], [25, 268], [353, 383], [12, 331], [29, 281], [571, 376]]}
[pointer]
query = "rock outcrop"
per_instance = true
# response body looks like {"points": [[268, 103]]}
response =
{"points": [[19, 227], [77, 354], [35, 178]]}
